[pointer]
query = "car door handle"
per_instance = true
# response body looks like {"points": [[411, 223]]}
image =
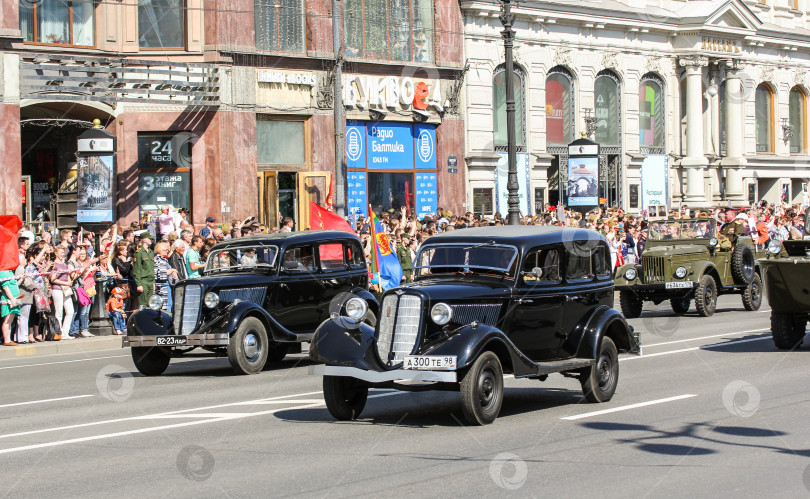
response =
{"points": [[571, 298], [524, 300]]}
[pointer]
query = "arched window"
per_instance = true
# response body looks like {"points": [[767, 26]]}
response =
{"points": [[499, 109], [559, 107], [798, 111], [651, 112], [764, 118], [606, 104]]}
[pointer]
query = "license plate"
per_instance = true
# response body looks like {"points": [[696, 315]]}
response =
{"points": [[171, 340], [430, 362], [680, 285]]}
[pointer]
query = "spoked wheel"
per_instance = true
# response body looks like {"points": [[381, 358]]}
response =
{"points": [[482, 390], [248, 347], [600, 380], [345, 397]]}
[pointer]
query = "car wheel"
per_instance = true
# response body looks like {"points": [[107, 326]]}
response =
{"points": [[345, 397], [752, 296], [742, 264], [680, 305], [482, 390], [600, 380], [631, 304], [150, 361], [787, 330], [706, 296], [248, 347]]}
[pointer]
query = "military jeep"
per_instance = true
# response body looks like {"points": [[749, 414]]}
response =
{"points": [[786, 272], [683, 261]]}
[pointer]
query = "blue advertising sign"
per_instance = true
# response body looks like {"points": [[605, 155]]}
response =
{"points": [[355, 144], [357, 200], [425, 146], [390, 146], [583, 181], [426, 194]]}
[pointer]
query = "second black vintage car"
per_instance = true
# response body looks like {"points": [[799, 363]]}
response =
{"points": [[486, 301], [258, 298]]}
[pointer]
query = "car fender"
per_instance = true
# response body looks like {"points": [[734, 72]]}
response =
{"points": [[468, 343], [701, 268], [584, 341], [345, 342], [619, 279], [148, 322], [237, 312]]}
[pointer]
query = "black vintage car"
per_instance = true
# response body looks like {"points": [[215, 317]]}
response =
{"points": [[258, 298], [486, 301]]}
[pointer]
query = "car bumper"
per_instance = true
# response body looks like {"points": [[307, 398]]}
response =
{"points": [[191, 340], [384, 376]]}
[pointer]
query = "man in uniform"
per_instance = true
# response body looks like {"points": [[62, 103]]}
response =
{"points": [[143, 269], [404, 255], [731, 230]]}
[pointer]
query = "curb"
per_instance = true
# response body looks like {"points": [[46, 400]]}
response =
{"points": [[80, 345]]}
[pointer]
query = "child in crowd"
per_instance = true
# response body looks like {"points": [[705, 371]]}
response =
{"points": [[115, 307]]}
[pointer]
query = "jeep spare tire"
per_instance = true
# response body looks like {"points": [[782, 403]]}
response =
{"points": [[742, 264]]}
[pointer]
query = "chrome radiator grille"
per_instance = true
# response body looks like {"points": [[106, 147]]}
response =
{"points": [[654, 269], [398, 327], [254, 295], [186, 313], [484, 314]]}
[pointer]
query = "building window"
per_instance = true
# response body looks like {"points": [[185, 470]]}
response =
{"points": [[160, 24], [499, 109], [58, 22], [482, 202], [281, 142], [279, 25], [764, 118], [559, 107], [651, 112], [606, 99], [798, 113], [397, 30]]}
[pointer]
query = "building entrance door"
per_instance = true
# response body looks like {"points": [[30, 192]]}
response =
{"points": [[268, 199]]}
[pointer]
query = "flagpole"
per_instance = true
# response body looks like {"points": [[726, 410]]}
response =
{"points": [[374, 269]]}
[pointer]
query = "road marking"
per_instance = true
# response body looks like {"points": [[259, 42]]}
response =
{"points": [[702, 347], [627, 407], [63, 362], [45, 401], [706, 337]]}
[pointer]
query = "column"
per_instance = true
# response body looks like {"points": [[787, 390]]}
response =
{"points": [[10, 136], [695, 161], [734, 161]]}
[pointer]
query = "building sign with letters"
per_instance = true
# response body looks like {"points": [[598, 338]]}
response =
{"points": [[392, 92], [164, 151]]}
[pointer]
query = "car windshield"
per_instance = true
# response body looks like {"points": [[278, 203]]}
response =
{"points": [[241, 257], [701, 228], [486, 258]]}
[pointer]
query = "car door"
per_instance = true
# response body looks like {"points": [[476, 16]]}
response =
{"points": [[335, 276], [300, 290], [537, 305]]}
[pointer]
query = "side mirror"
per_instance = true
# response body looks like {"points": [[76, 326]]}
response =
{"points": [[537, 272]]}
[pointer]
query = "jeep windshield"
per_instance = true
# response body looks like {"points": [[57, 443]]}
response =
{"points": [[701, 228], [467, 258], [237, 258]]}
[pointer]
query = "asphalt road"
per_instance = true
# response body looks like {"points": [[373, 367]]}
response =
{"points": [[711, 408]]}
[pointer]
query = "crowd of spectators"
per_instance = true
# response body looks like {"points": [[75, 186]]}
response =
{"points": [[53, 289]]}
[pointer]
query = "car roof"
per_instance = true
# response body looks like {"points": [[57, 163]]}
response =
{"points": [[287, 238], [522, 236]]}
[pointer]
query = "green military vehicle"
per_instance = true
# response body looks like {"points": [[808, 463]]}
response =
{"points": [[685, 260], [786, 273]]}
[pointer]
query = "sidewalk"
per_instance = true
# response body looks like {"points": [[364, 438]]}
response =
{"points": [[80, 345]]}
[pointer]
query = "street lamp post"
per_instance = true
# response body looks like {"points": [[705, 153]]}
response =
{"points": [[507, 19]]}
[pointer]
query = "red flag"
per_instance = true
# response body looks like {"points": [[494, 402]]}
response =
{"points": [[9, 253], [323, 219], [328, 203]]}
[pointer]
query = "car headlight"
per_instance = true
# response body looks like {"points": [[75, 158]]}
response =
{"points": [[441, 313], [211, 299], [356, 308], [155, 302], [713, 242], [630, 274], [775, 247], [680, 272]]}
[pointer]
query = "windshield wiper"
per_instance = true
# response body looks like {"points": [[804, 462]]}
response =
{"points": [[488, 243]]}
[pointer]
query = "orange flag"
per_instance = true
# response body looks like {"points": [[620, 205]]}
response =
{"points": [[323, 219]]}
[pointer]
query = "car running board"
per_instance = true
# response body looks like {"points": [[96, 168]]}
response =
{"points": [[556, 366]]}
